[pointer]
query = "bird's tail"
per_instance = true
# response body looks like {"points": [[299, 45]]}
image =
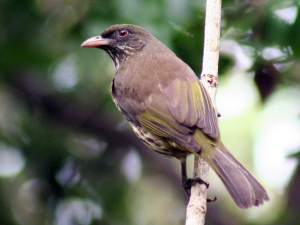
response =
{"points": [[241, 185]]}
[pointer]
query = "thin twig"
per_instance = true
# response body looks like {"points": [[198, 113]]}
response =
{"points": [[196, 210]]}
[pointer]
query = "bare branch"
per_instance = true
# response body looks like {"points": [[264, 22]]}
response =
{"points": [[196, 209]]}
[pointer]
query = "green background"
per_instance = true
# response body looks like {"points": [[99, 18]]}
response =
{"points": [[67, 156]]}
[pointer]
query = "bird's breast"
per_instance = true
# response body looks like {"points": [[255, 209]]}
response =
{"points": [[113, 94]]}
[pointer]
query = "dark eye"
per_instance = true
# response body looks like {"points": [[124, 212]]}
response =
{"points": [[123, 33]]}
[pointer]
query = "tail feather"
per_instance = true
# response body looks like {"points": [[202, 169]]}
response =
{"points": [[241, 185]]}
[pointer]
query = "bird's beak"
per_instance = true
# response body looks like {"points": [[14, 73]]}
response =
{"points": [[97, 41]]}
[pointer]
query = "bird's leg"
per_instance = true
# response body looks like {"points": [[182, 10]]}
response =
{"points": [[188, 183]]}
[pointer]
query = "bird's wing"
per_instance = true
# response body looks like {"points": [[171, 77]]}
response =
{"points": [[170, 103], [177, 110], [191, 105], [158, 119]]}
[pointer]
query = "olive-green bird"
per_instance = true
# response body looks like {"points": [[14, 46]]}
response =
{"points": [[169, 109]]}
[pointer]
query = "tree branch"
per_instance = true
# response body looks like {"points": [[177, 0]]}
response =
{"points": [[196, 209]]}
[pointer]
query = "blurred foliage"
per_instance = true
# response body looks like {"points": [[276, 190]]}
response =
{"points": [[66, 154]]}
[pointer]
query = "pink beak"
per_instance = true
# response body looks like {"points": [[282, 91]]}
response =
{"points": [[95, 42]]}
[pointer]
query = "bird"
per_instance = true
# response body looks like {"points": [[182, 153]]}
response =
{"points": [[170, 110]]}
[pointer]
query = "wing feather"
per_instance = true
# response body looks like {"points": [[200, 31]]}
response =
{"points": [[171, 105], [190, 105]]}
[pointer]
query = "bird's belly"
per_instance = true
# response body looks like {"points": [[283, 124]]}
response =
{"points": [[159, 144], [151, 140]]}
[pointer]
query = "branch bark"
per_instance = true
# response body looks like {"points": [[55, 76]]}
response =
{"points": [[196, 209]]}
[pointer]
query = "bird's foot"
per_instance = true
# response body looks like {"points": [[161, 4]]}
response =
{"points": [[198, 180], [188, 183]]}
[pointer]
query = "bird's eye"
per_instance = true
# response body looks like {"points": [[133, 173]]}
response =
{"points": [[123, 33]]}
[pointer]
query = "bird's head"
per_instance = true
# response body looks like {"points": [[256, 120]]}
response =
{"points": [[120, 41]]}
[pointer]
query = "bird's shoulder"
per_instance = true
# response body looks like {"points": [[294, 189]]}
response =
{"points": [[144, 75], [163, 86], [147, 70]]}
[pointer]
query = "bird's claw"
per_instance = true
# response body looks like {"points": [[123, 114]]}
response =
{"points": [[191, 182], [197, 180], [187, 184], [211, 200]]}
